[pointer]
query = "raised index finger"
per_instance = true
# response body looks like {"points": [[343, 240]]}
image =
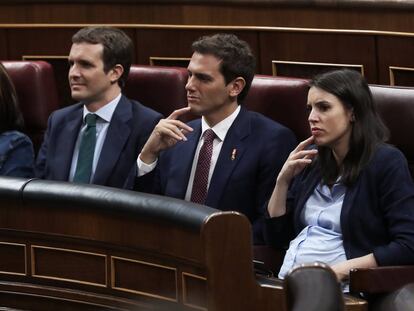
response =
{"points": [[304, 143], [176, 113]]}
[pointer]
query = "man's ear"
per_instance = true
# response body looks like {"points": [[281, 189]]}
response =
{"points": [[236, 86], [116, 73]]}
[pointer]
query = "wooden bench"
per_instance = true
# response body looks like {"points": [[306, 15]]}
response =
{"points": [[82, 247]]}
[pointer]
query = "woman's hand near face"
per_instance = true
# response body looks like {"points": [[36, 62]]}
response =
{"points": [[298, 159]]}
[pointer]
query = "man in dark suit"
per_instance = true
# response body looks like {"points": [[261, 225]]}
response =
{"points": [[97, 140], [228, 159]]}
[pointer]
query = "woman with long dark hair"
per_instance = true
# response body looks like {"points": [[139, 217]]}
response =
{"points": [[16, 149], [343, 197]]}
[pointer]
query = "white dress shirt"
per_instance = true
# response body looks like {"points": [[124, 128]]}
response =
{"points": [[102, 123], [220, 129]]}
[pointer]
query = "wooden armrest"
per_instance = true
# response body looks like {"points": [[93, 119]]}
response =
{"points": [[354, 303], [380, 279], [272, 258]]}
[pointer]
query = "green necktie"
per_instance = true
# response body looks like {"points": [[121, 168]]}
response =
{"points": [[86, 151]]}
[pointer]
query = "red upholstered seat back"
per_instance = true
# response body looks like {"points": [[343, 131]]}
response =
{"points": [[160, 88], [281, 99], [396, 107], [36, 90]]}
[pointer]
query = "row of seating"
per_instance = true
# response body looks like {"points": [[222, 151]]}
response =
{"points": [[163, 89], [67, 246]]}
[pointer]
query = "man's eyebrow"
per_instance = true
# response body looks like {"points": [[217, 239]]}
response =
{"points": [[203, 76], [85, 62]]}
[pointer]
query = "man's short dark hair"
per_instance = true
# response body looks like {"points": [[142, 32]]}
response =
{"points": [[236, 57], [117, 47]]}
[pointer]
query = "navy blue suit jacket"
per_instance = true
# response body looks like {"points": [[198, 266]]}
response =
{"points": [[377, 214], [241, 184], [130, 127]]}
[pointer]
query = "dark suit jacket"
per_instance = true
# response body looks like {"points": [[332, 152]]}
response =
{"points": [[130, 127], [242, 184], [377, 214]]}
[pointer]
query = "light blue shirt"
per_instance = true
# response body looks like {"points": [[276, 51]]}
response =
{"points": [[102, 123], [321, 240]]}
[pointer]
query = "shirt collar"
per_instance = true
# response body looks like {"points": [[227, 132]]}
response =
{"points": [[221, 128], [337, 189], [104, 113]]}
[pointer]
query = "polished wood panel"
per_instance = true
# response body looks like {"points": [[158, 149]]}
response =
{"points": [[145, 278], [170, 61], [39, 41], [296, 14], [69, 265], [375, 51], [319, 48], [16, 296], [401, 76], [176, 43], [194, 291], [13, 258], [3, 44], [394, 51], [307, 70], [310, 3]]}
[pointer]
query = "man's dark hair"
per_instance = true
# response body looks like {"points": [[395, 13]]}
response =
{"points": [[10, 116], [368, 130], [117, 47], [236, 57]]}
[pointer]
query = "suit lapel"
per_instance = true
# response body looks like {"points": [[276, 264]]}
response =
{"points": [[179, 172], [118, 133], [231, 153], [65, 147]]}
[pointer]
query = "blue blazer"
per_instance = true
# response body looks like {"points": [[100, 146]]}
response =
{"points": [[130, 127], [16, 155], [377, 214], [241, 184]]}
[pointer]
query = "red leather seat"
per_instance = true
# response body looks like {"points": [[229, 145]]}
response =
{"points": [[283, 100], [396, 107], [160, 88], [36, 90]]}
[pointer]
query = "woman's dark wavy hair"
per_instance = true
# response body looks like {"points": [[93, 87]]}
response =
{"points": [[368, 130], [10, 116]]}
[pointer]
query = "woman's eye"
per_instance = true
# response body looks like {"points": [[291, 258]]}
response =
{"points": [[324, 108]]}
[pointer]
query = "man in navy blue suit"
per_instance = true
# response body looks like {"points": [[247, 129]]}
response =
{"points": [[104, 149], [228, 159]]}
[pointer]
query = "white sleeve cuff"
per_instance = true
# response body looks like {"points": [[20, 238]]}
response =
{"points": [[144, 168]]}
